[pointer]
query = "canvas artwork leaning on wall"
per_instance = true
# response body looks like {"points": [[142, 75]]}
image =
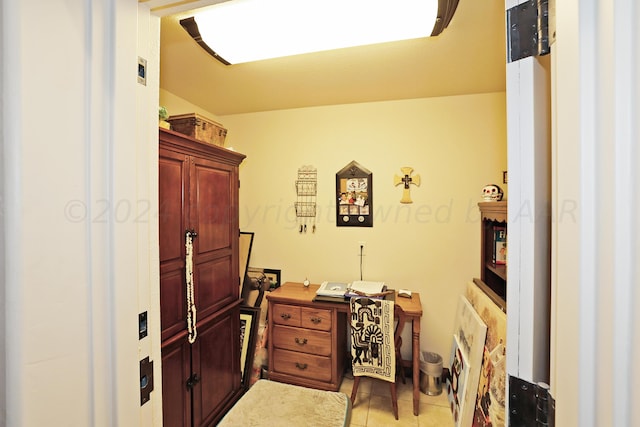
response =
{"points": [[490, 400]]}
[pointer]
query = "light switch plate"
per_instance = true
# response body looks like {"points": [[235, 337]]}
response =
{"points": [[142, 71], [142, 325]]}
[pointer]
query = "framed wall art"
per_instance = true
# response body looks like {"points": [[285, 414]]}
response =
{"points": [[354, 191], [490, 399]]}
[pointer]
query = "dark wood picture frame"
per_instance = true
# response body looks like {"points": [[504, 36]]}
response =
{"points": [[249, 323], [354, 191], [244, 250], [245, 245]]}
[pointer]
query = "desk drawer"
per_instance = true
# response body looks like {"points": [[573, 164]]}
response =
{"points": [[286, 314], [302, 365], [304, 340], [314, 318]]}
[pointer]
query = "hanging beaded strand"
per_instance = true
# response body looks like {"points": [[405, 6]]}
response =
{"points": [[191, 306]]}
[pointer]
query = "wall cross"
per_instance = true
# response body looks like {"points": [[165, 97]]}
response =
{"points": [[407, 180]]}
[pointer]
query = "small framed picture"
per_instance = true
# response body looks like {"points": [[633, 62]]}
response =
{"points": [[274, 278], [267, 279], [259, 281]]}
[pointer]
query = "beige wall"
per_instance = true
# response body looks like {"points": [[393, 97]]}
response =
{"points": [[456, 145], [176, 105]]}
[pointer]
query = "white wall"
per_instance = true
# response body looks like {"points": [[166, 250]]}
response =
{"points": [[596, 326], [78, 212], [146, 168], [456, 144], [3, 366], [565, 337]]}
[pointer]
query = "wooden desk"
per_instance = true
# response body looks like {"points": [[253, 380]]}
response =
{"points": [[317, 359]]}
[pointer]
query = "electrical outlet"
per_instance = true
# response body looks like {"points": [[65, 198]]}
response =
{"points": [[362, 245]]}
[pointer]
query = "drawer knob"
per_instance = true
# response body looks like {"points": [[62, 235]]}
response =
{"points": [[316, 320], [301, 341], [301, 366], [285, 316]]}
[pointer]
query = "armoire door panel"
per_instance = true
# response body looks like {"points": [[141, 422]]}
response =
{"points": [[176, 367], [173, 211], [173, 303], [214, 287], [218, 365], [214, 212], [170, 266]]}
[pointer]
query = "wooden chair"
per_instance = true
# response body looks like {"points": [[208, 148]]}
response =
{"points": [[400, 320], [372, 344]]}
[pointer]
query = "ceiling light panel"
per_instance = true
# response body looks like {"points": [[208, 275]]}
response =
{"points": [[251, 30]]}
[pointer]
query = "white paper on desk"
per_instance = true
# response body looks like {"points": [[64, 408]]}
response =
{"points": [[365, 287], [332, 289]]}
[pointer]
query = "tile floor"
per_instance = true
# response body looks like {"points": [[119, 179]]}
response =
{"points": [[372, 407]]}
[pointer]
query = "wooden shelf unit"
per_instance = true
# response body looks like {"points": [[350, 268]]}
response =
{"points": [[493, 277]]}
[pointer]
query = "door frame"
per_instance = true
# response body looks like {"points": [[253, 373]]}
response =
{"points": [[528, 94]]}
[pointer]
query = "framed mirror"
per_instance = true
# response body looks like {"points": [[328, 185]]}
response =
{"points": [[354, 189]]}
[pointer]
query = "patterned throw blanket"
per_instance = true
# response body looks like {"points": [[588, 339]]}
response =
{"points": [[372, 349]]}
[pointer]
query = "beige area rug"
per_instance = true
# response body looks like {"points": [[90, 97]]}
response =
{"points": [[270, 403]]}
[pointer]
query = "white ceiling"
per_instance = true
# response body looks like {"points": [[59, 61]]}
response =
{"points": [[467, 58]]}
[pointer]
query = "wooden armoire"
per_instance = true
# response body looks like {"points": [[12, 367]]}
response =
{"points": [[198, 194]]}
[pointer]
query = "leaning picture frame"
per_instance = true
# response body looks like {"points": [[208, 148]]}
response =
{"points": [[249, 320], [245, 242]]}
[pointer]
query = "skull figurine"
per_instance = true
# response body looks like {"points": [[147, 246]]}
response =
{"points": [[492, 193]]}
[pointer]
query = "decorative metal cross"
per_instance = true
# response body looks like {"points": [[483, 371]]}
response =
{"points": [[407, 179]]}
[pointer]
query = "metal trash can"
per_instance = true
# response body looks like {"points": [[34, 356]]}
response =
{"points": [[431, 374]]}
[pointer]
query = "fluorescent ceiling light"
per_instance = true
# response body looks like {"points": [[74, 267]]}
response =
{"points": [[239, 31]]}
